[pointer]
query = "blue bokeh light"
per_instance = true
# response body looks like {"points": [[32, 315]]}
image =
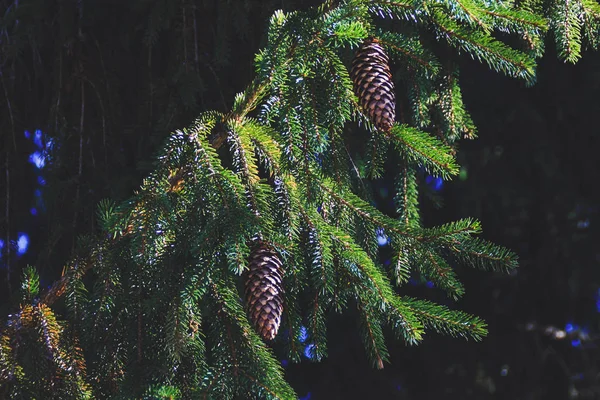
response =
{"points": [[1, 244], [22, 243], [569, 327], [38, 159], [307, 397], [49, 144], [27, 134], [303, 334], [429, 284], [33, 211], [382, 239], [583, 224], [308, 350], [37, 139], [598, 300], [284, 363], [575, 342], [41, 181], [434, 182]]}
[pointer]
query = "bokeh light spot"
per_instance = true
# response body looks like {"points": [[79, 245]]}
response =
{"points": [[22, 243], [37, 159]]}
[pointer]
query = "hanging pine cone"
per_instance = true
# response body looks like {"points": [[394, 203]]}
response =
{"points": [[373, 84], [263, 290]]}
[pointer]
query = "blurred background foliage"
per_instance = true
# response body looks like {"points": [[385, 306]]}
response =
{"points": [[89, 91]]}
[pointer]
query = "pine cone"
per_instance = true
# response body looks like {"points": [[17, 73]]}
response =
{"points": [[373, 84], [263, 291]]}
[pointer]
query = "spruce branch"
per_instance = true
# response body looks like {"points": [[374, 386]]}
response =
{"points": [[373, 336], [362, 270], [484, 48], [484, 255], [513, 20], [567, 24], [452, 232], [406, 196], [320, 272], [467, 11], [410, 51], [435, 268], [446, 321], [246, 353], [456, 122], [423, 150], [591, 22], [399, 9]]}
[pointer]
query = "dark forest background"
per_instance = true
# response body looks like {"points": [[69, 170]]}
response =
{"points": [[90, 90]]}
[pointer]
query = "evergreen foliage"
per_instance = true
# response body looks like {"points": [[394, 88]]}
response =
{"points": [[153, 302]]}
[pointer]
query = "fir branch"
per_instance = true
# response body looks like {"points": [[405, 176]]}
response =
{"points": [[484, 48], [320, 273], [446, 321], [468, 11], [266, 142], [184, 335], [373, 339], [456, 121], [398, 9], [248, 357], [565, 17], [422, 96], [591, 22], [360, 266], [344, 25], [244, 163], [406, 196], [484, 255], [30, 285], [452, 232], [401, 261], [295, 284], [456, 237], [424, 150], [35, 357], [49, 333], [76, 299], [376, 152], [73, 272], [510, 20], [285, 203], [410, 51], [362, 209], [435, 268]]}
